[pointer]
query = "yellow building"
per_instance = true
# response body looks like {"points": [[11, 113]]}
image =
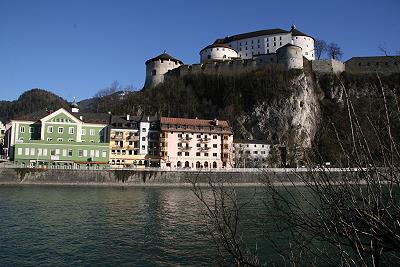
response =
{"points": [[134, 142]]}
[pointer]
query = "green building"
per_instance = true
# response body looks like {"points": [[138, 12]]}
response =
{"points": [[60, 139]]}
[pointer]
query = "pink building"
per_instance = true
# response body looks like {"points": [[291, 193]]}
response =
{"points": [[195, 143]]}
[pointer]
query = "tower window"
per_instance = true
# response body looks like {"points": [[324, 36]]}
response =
{"points": [[153, 72]]}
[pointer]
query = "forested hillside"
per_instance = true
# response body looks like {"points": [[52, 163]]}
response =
{"points": [[31, 101]]}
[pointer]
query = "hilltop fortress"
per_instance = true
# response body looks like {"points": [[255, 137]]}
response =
{"points": [[250, 51]]}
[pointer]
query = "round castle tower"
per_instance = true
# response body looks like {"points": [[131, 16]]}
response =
{"points": [[217, 52], [290, 56], [158, 66], [306, 42]]}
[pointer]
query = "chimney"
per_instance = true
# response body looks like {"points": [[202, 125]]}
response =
{"points": [[127, 117], [81, 118], [216, 122], [148, 118]]}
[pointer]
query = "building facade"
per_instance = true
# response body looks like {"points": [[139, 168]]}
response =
{"points": [[248, 45], [59, 139], [251, 153], [134, 142], [195, 143]]}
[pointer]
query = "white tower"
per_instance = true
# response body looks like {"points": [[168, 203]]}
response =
{"points": [[157, 67]]}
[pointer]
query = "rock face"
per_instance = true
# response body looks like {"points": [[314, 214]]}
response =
{"points": [[291, 120]]}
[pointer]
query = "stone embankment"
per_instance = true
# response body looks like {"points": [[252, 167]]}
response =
{"points": [[146, 177]]}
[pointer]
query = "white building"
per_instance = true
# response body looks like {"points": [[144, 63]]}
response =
{"points": [[251, 44], [251, 153]]}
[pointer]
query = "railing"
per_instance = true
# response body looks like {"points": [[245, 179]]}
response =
{"points": [[185, 147], [230, 170], [204, 140], [204, 148], [117, 137], [133, 138]]}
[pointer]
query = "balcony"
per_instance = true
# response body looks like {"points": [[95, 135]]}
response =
{"points": [[204, 148], [133, 138], [117, 137], [164, 148], [185, 148], [204, 140], [185, 139]]}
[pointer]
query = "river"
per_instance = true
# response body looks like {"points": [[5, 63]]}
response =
{"points": [[108, 226]]}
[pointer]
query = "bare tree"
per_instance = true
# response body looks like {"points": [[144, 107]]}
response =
{"points": [[321, 47], [334, 51], [345, 218]]}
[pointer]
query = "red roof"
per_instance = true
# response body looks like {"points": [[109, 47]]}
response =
{"points": [[192, 122]]}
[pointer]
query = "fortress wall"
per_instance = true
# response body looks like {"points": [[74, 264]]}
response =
{"points": [[328, 66], [384, 65]]}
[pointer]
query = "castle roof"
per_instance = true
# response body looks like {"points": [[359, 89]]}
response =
{"points": [[164, 56], [218, 45], [289, 45], [296, 32], [250, 35]]}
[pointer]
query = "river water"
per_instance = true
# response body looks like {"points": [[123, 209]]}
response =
{"points": [[108, 226]]}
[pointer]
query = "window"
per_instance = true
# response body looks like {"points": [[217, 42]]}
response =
{"points": [[59, 139], [179, 153], [267, 51], [187, 154], [199, 136], [39, 152], [143, 138], [263, 152], [280, 37], [80, 153], [49, 139], [69, 152], [30, 129], [143, 130], [92, 153], [53, 152], [179, 144], [280, 43], [274, 43], [215, 145], [104, 153], [205, 154], [32, 151], [97, 153], [198, 154], [60, 130], [215, 136], [50, 129], [44, 152], [214, 154], [64, 153], [267, 44], [19, 151], [70, 140], [71, 130], [85, 153], [91, 131], [274, 38], [143, 147], [198, 145], [153, 72], [83, 131], [57, 151], [22, 129], [255, 152]]}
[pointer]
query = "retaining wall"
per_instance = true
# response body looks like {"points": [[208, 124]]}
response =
{"points": [[138, 177]]}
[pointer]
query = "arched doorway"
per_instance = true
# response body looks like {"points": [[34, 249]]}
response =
{"points": [[187, 164], [179, 164], [206, 164], [214, 165], [198, 165]]}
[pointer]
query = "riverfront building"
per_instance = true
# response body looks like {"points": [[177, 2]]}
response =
{"points": [[59, 139], [251, 153], [134, 141], [195, 143]]}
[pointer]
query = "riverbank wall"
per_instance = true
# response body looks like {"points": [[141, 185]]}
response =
{"points": [[144, 177]]}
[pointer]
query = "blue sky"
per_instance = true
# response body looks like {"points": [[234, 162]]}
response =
{"points": [[76, 47]]}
